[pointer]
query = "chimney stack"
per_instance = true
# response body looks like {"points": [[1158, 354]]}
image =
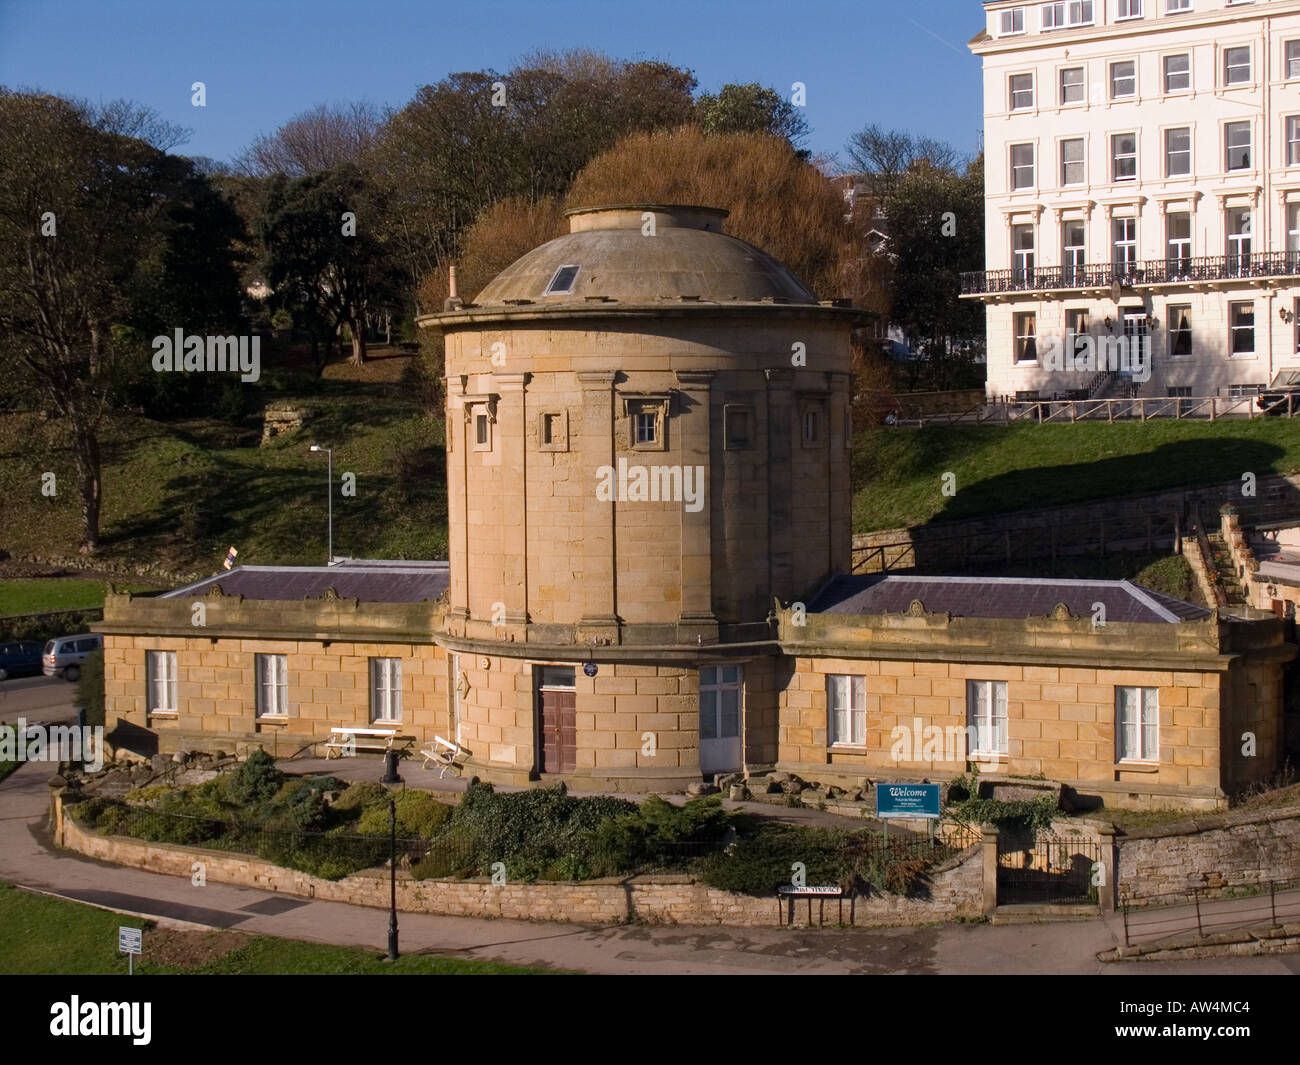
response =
{"points": [[453, 301]]}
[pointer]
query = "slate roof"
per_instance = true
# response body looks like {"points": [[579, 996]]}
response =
{"points": [[369, 580], [1000, 597]]}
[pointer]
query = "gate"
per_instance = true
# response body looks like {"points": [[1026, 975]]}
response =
{"points": [[1048, 869]]}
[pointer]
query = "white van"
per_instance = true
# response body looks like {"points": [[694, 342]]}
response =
{"points": [[64, 654]]}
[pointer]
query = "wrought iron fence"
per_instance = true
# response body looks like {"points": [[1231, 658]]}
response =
{"points": [[1203, 910], [1047, 869], [1179, 270]]}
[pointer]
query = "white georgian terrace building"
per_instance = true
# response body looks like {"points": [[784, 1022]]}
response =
{"points": [[1143, 178]]}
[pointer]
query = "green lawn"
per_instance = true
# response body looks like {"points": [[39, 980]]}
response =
{"points": [[36, 596], [898, 473], [45, 936]]}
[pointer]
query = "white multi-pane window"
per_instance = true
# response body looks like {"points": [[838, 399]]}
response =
{"points": [[1180, 330], [1123, 156], [1236, 146], [1022, 251], [160, 670], [1073, 249], [1236, 66], [720, 693], [1020, 90], [1178, 151], [1123, 79], [272, 685], [385, 689], [1293, 229], [1292, 53], [1293, 140], [1125, 241], [986, 716], [1026, 330], [1239, 237], [1073, 171], [1178, 234], [1241, 328], [1071, 13], [1073, 89], [1137, 724], [846, 705], [1178, 72], [1022, 166], [1128, 8], [1012, 21], [1174, 7]]}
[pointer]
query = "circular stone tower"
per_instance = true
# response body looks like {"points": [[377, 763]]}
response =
{"points": [[647, 441]]}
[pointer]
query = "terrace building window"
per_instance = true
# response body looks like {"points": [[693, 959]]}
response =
{"points": [[1293, 232], [1239, 232], [1125, 243], [1021, 91], [1292, 65], [160, 679], [1180, 331], [1241, 328], [846, 706], [1022, 166], [1072, 162], [1128, 9], [1012, 21], [272, 685], [1293, 140], [1178, 72], [1178, 152], [1178, 235], [1236, 66], [1064, 15], [1123, 79], [1123, 155], [986, 716], [1022, 253], [385, 689], [1026, 340], [1137, 724], [1176, 7], [1073, 241], [1073, 90], [1236, 146]]}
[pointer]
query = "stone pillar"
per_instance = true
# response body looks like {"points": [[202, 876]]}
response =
{"points": [[599, 621], [693, 432], [989, 843], [457, 499], [512, 423], [780, 484], [1108, 889], [840, 440]]}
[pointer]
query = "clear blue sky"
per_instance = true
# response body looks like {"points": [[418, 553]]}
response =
{"points": [[900, 64]]}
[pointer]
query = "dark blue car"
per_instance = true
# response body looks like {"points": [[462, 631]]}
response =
{"points": [[22, 659]]}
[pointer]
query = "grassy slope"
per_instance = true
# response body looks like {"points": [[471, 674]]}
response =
{"points": [[50, 936], [181, 493], [898, 473], [29, 597]]}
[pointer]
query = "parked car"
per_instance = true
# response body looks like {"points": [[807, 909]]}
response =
{"points": [[21, 659], [1273, 400], [64, 655]]}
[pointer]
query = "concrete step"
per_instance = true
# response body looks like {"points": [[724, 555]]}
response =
{"points": [[1034, 913]]}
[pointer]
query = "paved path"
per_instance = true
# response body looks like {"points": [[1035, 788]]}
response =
{"points": [[28, 857], [36, 699]]}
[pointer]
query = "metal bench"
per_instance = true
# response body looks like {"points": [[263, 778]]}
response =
{"points": [[445, 752]]}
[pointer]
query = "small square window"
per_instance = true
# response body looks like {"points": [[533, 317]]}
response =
{"points": [[647, 428], [738, 427], [553, 431], [562, 281], [647, 420]]}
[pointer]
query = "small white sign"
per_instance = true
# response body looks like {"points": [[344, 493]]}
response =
{"points": [[130, 940], [791, 889]]}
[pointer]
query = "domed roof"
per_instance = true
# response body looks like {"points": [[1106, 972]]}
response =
{"points": [[609, 255]]}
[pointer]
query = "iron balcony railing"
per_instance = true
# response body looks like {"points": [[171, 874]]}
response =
{"points": [[1132, 275]]}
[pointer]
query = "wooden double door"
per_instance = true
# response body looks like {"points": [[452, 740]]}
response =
{"points": [[557, 721]]}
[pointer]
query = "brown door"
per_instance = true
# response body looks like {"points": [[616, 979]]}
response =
{"points": [[559, 720]]}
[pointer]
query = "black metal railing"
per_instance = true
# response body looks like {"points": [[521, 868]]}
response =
{"points": [[1205, 910], [1132, 275]]}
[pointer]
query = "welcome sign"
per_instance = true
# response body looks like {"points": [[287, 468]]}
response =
{"points": [[907, 800]]}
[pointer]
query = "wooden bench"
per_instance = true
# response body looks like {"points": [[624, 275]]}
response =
{"points": [[446, 753], [363, 739]]}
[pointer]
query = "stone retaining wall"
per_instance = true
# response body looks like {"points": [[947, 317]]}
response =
{"points": [[1220, 851], [956, 889]]}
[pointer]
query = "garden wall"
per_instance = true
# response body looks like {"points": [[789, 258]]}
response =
{"points": [[956, 889], [1220, 851]]}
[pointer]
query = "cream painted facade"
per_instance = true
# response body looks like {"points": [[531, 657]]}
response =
{"points": [[1142, 177]]}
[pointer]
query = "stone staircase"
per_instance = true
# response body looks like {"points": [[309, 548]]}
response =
{"points": [[1227, 574]]}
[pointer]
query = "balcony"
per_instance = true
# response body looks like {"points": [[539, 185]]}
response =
{"points": [[1201, 270]]}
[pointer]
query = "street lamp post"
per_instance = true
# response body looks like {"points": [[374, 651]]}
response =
{"points": [[393, 784], [329, 474]]}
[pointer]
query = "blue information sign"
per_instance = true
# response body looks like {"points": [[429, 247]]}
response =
{"points": [[907, 800]]}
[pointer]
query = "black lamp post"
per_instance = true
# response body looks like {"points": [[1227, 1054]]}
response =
{"points": [[392, 783]]}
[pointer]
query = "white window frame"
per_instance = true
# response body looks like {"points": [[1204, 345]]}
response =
{"points": [[1166, 74], [1293, 227], [1019, 337], [1081, 163], [1239, 227], [1291, 59], [1234, 329], [1124, 247], [1126, 9], [1178, 249], [1065, 14], [1291, 137], [1116, 156], [1171, 153], [1114, 79], [1177, 7], [385, 690], [1023, 260], [160, 680], [714, 683], [986, 718], [1137, 724], [1228, 67], [1013, 92], [1174, 312], [1007, 22], [1082, 87], [1073, 256], [846, 710], [272, 679], [1018, 169], [1228, 146]]}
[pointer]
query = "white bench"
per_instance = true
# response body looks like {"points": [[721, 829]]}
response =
{"points": [[445, 753], [360, 739]]}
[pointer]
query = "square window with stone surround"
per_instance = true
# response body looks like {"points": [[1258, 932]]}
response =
{"points": [[738, 426], [646, 418], [812, 423], [553, 430]]}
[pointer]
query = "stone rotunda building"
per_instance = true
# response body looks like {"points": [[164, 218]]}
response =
{"points": [[650, 577]]}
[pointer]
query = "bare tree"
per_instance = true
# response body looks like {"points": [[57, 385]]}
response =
{"points": [[319, 139], [885, 155]]}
